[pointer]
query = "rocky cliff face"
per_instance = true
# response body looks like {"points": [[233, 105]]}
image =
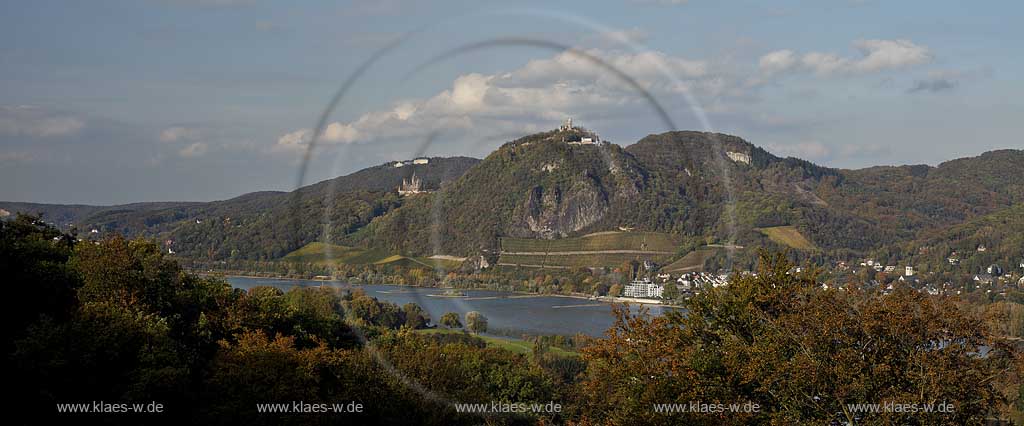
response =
{"points": [[555, 213]]}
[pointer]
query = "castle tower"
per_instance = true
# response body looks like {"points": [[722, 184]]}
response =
{"points": [[411, 186]]}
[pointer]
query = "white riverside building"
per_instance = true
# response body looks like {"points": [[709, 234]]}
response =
{"points": [[642, 289]]}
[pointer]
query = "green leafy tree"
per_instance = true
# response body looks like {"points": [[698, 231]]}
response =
{"points": [[38, 281], [476, 322], [671, 291], [130, 273], [415, 316], [451, 320]]}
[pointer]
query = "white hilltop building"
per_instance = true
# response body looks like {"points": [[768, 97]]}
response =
{"points": [[587, 137], [416, 161]]}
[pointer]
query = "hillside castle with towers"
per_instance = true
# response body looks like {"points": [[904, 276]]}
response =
{"points": [[575, 135], [411, 186]]}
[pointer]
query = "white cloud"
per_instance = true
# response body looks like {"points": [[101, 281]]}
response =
{"points": [[468, 92], [334, 133], [196, 149], [294, 140], [825, 63], [876, 55], [37, 122], [777, 61], [178, 133], [543, 91], [340, 133], [890, 54]]}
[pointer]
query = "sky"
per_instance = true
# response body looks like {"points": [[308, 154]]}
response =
{"points": [[107, 102]]}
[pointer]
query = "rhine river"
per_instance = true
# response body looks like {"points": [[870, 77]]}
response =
{"points": [[533, 314]]}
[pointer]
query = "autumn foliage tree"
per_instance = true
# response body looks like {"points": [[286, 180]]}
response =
{"points": [[803, 354]]}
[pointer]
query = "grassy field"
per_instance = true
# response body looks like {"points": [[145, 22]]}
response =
{"points": [[788, 236], [650, 241], [692, 262], [509, 344], [580, 260], [317, 252], [660, 245], [323, 253]]}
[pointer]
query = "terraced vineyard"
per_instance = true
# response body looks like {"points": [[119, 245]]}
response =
{"points": [[323, 253], [602, 249], [692, 262], [600, 241], [788, 236]]}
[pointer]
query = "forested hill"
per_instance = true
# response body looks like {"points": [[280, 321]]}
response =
{"points": [[702, 188], [259, 225]]}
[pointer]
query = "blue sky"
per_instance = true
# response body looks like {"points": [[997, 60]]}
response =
{"points": [[119, 101]]}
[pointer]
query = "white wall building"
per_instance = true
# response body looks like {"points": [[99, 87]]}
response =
{"points": [[643, 289], [739, 157]]}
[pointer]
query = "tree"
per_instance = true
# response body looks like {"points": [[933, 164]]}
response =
{"points": [[130, 273], [37, 279], [476, 322], [415, 316], [804, 354], [671, 291], [615, 290], [451, 320]]}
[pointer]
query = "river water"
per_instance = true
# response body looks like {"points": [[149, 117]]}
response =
{"points": [[531, 314]]}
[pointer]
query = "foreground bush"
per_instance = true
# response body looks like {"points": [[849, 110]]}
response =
{"points": [[803, 354]]}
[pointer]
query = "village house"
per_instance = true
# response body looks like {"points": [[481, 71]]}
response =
{"points": [[983, 279], [994, 270]]}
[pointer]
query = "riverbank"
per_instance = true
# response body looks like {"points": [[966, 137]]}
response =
{"points": [[514, 293], [527, 314]]}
